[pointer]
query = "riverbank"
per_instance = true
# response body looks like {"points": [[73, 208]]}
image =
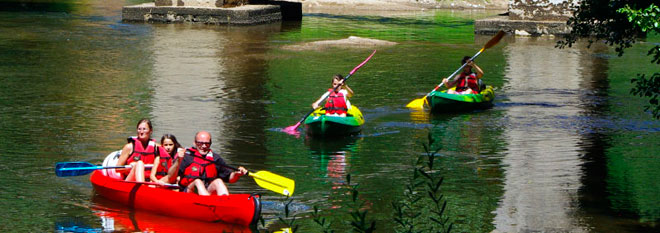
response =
{"points": [[399, 5]]}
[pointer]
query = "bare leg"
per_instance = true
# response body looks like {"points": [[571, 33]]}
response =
{"points": [[467, 91], [219, 187], [131, 174], [138, 168], [198, 185]]}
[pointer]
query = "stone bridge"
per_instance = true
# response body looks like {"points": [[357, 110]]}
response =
{"points": [[531, 17]]}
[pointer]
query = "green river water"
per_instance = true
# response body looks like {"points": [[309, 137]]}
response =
{"points": [[565, 148]]}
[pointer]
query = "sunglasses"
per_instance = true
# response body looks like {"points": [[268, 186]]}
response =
{"points": [[203, 143]]}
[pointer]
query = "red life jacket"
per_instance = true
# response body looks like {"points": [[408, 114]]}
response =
{"points": [[165, 162], [465, 81], [336, 103], [146, 154], [201, 167]]}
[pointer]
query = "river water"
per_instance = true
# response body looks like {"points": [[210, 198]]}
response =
{"points": [[564, 149]]}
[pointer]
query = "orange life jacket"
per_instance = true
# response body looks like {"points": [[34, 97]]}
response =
{"points": [[336, 103]]}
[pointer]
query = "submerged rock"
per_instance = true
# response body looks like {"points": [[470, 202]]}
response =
{"points": [[350, 42]]}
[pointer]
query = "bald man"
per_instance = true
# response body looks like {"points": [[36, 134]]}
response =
{"points": [[204, 171]]}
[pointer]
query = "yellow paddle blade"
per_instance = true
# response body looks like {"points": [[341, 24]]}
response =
{"points": [[284, 230], [417, 103], [274, 182]]}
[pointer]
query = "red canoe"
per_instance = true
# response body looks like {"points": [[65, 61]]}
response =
{"points": [[243, 209]]}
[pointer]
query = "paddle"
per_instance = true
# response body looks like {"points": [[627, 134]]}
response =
{"points": [[271, 181], [83, 168], [154, 183], [292, 129], [266, 179], [419, 103]]}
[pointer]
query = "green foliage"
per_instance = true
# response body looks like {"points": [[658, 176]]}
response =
{"points": [[358, 220], [423, 206], [644, 19], [318, 219], [288, 220], [649, 88], [421, 209], [619, 23], [358, 217]]}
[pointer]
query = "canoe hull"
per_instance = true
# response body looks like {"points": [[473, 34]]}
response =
{"points": [[320, 125], [441, 101], [242, 209]]}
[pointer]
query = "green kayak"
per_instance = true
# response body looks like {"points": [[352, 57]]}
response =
{"points": [[441, 101], [318, 124]]}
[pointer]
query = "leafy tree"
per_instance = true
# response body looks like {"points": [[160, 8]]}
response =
{"points": [[620, 23]]}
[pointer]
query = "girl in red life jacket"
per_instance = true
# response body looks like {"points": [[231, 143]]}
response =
{"points": [[467, 82], [337, 103], [166, 163], [138, 151]]}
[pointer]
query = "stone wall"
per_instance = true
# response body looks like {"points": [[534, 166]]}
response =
{"points": [[541, 10], [201, 3]]}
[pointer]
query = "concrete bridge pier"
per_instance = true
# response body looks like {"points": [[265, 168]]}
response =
{"points": [[234, 12], [531, 18]]}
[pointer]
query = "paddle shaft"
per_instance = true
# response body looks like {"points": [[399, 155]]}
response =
{"points": [[335, 89], [83, 168], [97, 167]]}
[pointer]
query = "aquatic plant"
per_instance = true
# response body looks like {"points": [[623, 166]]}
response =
{"points": [[421, 209], [413, 213]]}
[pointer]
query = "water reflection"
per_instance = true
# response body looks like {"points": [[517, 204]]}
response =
{"points": [[542, 162], [115, 218], [206, 78], [334, 160]]}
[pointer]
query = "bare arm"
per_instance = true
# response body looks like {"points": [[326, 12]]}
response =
{"points": [[174, 169], [449, 83], [234, 176], [152, 176], [348, 89], [315, 105], [480, 73], [125, 152]]}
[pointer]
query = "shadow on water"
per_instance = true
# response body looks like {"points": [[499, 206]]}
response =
{"points": [[390, 20], [37, 6]]}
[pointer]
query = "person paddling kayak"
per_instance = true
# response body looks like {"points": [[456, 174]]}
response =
{"points": [[337, 103], [204, 171], [467, 82]]}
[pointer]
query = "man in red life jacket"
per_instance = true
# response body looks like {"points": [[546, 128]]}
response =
{"points": [[204, 171], [467, 82]]}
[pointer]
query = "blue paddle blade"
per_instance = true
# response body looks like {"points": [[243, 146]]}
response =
{"points": [[74, 168]]}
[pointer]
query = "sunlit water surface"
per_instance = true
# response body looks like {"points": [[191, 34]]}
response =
{"points": [[564, 149]]}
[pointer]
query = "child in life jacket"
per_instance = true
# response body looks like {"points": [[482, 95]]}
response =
{"points": [[467, 82], [337, 103], [166, 165]]}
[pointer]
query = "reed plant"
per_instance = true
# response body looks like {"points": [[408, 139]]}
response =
{"points": [[421, 207]]}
